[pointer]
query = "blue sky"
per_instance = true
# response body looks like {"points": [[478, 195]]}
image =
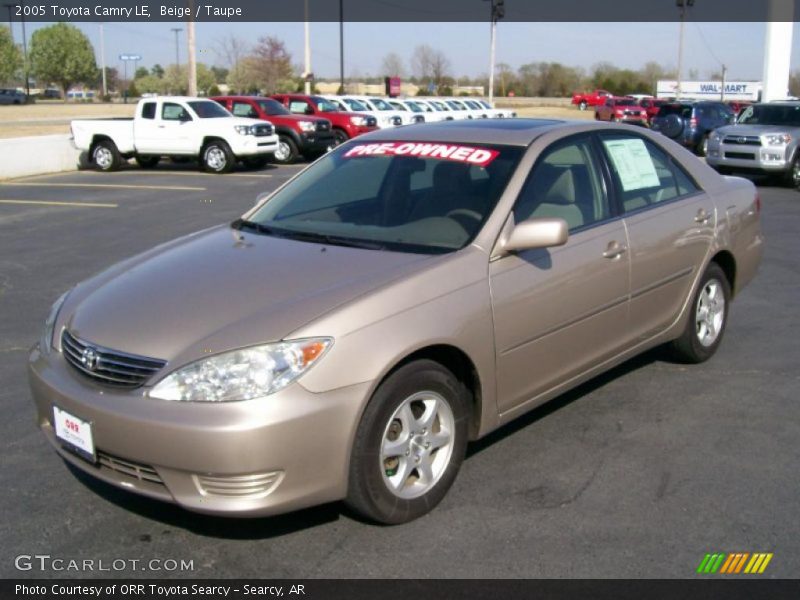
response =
{"points": [[739, 45]]}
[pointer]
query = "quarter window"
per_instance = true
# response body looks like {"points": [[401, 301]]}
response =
{"points": [[645, 175], [149, 110], [565, 183]]}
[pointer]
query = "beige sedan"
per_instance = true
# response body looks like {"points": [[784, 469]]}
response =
{"points": [[408, 293]]}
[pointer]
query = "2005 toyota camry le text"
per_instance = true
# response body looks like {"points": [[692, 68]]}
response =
{"points": [[407, 293]]}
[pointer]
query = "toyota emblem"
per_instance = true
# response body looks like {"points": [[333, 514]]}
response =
{"points": [[90, 358]]}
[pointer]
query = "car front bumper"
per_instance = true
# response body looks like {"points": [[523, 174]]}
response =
{"points": [[768, 159], [316, 142], [250, 145], [259, 457]]}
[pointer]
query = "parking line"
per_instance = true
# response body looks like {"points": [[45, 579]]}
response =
{"points": [[111, 186], [54, 203], [185, 174]]}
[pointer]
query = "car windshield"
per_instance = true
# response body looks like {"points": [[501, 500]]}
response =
{"points": [[472, 104], [355, 105], [418, 197], [414, 106], [380, 104], [324, 105], [682, 110], [272, 107], [625, 102], [207, 109], [771, 114], [454, 105], [485, 104], [439, 106]]}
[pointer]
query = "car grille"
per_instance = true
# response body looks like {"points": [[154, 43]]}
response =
{"points": [[109, 367], [632, 113], [239, 486], [264, 130], [372, 122], [742, 155], [138, 471], [742, 140], [323, 126]]}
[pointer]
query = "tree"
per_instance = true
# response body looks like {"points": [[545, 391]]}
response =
{"points": [[271, 65], [243, 78], [62, 54], [176, 80], [429, 64], [157, 71], [112, 78], [393, 66], [152, 85], [231, 50], [141, 72], [220, 74], [10, 60]]}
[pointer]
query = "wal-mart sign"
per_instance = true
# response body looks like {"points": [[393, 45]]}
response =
{"points": [[710, 90]]}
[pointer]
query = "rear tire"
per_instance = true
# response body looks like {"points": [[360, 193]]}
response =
{"points": [[147, 162], [105, 156], [707, 320], [702, 146], [409, 444], [216, 157]]}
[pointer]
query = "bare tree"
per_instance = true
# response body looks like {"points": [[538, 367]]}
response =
{"points": [[231, 50], [273, 64], [393, 65], [429, 64]]}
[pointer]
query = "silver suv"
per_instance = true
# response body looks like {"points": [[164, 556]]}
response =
{"points": [[764, 140]]}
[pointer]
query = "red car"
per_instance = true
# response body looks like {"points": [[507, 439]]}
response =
{"points": [[651, 105], [297, 135], [595, 98], [346, 125], [621, 110]]}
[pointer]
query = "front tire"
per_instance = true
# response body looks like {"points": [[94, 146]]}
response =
{"points": [[583, 105], [287, 152], [409, 445], [702, 147], [216, 157], [105, 156], [339, 136], [792, 177], [708, 318]]}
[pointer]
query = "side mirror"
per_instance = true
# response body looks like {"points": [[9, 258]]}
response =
{"points": [[537, 233], [185, 117]]}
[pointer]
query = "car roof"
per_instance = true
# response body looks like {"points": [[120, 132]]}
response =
{"points": [[511, 132]]}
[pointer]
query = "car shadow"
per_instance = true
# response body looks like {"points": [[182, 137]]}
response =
{"points": [[276, 526], [167, 166]]}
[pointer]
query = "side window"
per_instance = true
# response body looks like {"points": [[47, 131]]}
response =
{"points": [[149, 110], [565, 183], [645, 175], [243, 109], [298, 106], [174, 112]]}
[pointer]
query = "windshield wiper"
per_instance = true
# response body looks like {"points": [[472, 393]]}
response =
{"points": [[332, 240], [241, 224]]}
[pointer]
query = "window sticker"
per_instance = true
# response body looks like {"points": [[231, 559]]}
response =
{"points": [[633, 163], [468, 154]]}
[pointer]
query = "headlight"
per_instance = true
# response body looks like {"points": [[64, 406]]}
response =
{"points": [[777, 139], [306, 125], [714, 136], [242, 374], [46, 341], [245, 129], [358, 121]]}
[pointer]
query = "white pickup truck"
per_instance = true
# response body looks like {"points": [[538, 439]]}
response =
{"points": [[180, 128]]}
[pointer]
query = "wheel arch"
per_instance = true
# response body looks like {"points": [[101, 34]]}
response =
{"points": [[726, 262]]}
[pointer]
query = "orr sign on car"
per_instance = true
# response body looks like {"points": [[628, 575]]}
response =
{"points": [[710, 90]]}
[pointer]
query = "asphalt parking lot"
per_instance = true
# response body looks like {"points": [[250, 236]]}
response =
{"points": [[637, 474]]}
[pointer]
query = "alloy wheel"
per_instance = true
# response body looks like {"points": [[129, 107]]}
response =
{"points": [[710, 313]]}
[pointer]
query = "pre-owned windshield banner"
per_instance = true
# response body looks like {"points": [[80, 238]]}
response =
{"points": [[455, 152]]}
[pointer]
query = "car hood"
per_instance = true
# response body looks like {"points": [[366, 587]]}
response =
{"points": [[754, 129], [222, 289]]}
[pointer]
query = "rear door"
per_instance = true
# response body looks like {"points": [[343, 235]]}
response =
{"points": [[560, 311], [670, 223]]}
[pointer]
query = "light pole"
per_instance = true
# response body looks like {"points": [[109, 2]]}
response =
{"points": [[103, 61], [307, 73], [21, 4], [682, 5], [341, 46], [176, 31], [10, 26], [498, 11]]}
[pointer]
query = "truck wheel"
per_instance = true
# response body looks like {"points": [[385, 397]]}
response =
{"points": [[583, 105], [147, 162], [216, 157], [702, 147], [287, 152], [105, 156], [792, 177], [339, 136]]}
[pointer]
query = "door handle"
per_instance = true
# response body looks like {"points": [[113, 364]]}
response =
{"points": [[615, 250], [702, 216]]}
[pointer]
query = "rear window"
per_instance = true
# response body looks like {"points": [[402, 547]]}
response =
{"points": [[149, 110], [771, 114], [683, 110]]}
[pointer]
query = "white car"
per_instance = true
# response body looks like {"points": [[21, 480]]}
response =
{"points": [[412, 111], [380, 109], [441, 110], [173, 126], [497, 113], [431, 114], [460, 109]]}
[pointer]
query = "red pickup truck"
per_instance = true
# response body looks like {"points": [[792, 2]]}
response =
{"points": [[346, 125], [595, 98], [297, 135]]}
